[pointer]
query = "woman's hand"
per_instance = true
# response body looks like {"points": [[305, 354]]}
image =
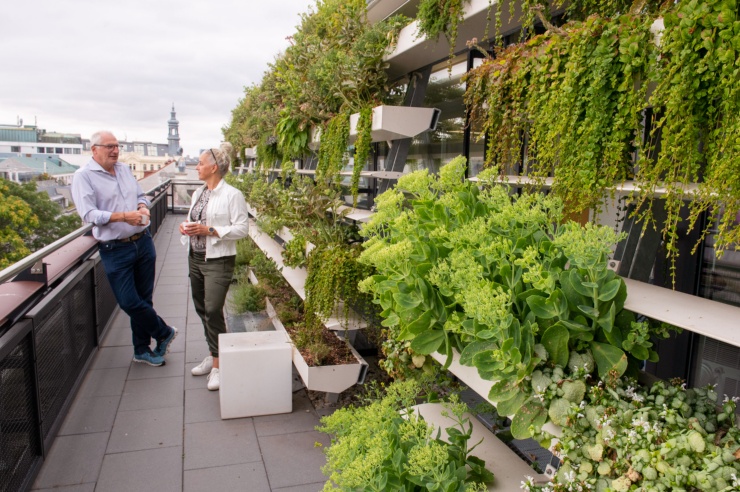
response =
{"points": [[193, 229]]}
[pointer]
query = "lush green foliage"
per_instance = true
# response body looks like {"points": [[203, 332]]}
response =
{"points": [[437, 17], [313, 214], [496, 277], [333, 67], [385, 446], [576, 96], [664, 438], [699, 124], [29, 220], [362, 148]]}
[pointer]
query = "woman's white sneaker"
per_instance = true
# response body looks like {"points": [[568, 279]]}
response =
{"points": [[204, 367], [214, 379]]}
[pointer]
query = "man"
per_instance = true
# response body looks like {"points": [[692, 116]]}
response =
{"points": [[108, 196]]}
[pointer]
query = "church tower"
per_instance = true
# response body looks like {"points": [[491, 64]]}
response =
{"points": [[173, 138]]}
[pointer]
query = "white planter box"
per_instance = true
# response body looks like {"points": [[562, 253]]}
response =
{"points": [[256, 374], [330, 379], [396, 122]]}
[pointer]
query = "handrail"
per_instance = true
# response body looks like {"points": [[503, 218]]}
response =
{"points": [[31, 259]]}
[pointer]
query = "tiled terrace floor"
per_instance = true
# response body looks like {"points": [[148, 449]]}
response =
{"points": [[134, 427]]}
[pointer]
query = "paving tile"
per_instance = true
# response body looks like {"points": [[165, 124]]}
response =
{"points": [[118, 337], [220, 443], [180, 289], [195, 331], [108, 357], [88, 415], [202, 405], [194, 382], [103, 382], [143, 394], [165, 280], [83, 487], [73, 460], [174, 367], [311, 487], [248, 477], [196, 351], [292, 459], [302, 418], [153, 469], [146, 429], [169, 311]]}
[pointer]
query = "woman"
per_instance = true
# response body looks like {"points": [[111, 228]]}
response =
{"points": [[216, 220]]}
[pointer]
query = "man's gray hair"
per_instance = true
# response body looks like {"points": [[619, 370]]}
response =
{"points": [[97, 137]]}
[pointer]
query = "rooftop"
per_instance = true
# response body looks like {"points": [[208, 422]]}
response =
{"points": [[133, 424]]}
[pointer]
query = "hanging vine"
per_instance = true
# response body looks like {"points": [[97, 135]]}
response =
{"points": [[573, 97], [698, 99], [362, 148]]}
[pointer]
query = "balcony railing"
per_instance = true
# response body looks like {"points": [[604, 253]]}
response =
{"points": [[56, 307]]}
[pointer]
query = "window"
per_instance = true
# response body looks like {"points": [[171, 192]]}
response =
{"points": [[77, 151], [139, 148], [59, 150], [40, 150], [431, 150], [15, 148], [49, 150], [67, 151]]}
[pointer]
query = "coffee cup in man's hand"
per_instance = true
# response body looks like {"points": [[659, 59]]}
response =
{"points": [[144, 219]]}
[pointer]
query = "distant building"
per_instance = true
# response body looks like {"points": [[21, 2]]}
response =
{"points": [[22, 169], [173, 137], [31, 148], [29, 140]]}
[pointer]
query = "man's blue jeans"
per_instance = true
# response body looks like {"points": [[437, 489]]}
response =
{"points": [[130, 271]]}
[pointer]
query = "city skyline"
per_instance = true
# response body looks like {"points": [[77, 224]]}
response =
{"points": [[120, 67]]}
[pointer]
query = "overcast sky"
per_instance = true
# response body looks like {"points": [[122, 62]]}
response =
{"points": [[77, 66]]}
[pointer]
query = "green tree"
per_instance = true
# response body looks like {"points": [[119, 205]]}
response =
{"points": [[29, 220]]}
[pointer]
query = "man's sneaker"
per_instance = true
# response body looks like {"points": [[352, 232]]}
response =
{"points": [[214, 379], [163, 345], [150, 358], [204, 367]]}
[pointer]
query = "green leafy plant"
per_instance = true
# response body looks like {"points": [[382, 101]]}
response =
{"points": [[625, 436], [362, 148], [496, 278], [575, 97], [386, 446], [698, 100], [248, 298]]}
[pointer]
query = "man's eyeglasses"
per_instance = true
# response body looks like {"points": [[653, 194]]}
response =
{"points": [[109, 146]]}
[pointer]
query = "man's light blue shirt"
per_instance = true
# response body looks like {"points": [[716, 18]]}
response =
{"points": [[98, 193]]}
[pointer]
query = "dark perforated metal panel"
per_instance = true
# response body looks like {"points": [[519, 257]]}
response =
{"points": [[20, 446], [64, 337], [104, 299]]}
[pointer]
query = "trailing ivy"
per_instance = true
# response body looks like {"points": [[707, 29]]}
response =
{"points": [[333, 151], [574, 97], [362, 148], [698, 99]]}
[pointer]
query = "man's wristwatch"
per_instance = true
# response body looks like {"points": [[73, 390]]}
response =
{"points": [[211, 230]]}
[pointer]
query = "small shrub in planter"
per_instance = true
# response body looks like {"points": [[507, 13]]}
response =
{"points": [[383, 446]]}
